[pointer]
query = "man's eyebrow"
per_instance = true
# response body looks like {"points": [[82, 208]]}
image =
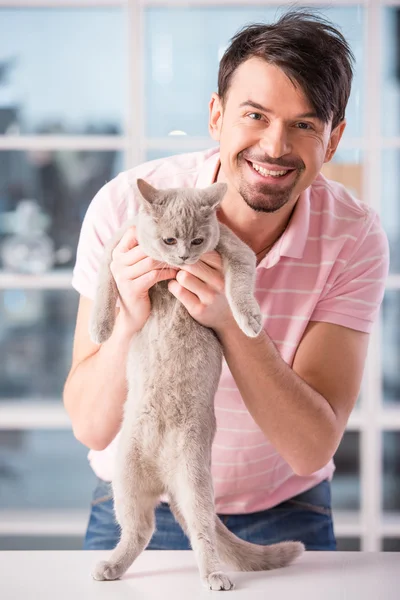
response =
{"points": [[307, 115]]}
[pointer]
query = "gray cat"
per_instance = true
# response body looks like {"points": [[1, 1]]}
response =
{"points": [[173, 370]]}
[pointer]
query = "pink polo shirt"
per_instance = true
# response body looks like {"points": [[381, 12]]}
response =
{"points": [[330, 265]]}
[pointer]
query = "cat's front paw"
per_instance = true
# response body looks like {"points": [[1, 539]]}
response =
{"points": [[249, 320], [106, 571], [218, 581]]}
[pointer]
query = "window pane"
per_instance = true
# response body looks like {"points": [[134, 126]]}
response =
{"points": [[391, 471], [42, 470], [61, 183], [391, 545], [391, 346], [348, 544], [390, 213], [391, 71], [346, 480], [36, 334], [79, 86], [42, 542], [176, 53]]}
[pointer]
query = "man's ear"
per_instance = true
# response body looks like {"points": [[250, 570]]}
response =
{"points": [[215, 117], [334, 140]]}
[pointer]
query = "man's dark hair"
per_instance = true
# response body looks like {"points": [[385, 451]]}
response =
{"points": [[308, 49]]}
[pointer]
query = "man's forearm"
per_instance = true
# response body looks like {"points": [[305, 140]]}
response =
{"points": [[95, 392], [297, 420]]}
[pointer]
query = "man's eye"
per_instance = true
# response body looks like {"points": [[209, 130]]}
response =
{"points": [[169, 241], [197, 242], [255, 116], [304, 126]]}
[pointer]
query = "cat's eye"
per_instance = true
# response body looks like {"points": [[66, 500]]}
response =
{"points": [[169, 241], [197, 242]]}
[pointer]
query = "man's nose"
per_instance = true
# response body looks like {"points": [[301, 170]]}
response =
{"points": [[275, 140]]}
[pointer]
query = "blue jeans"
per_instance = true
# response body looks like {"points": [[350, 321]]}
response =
{"points": [[306, 518]]}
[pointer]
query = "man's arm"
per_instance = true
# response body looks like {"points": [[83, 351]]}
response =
{"points": [[95, 390], [303, 411]]}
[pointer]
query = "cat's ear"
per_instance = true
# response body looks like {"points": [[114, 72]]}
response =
{"points": [[213, 195], [150, 195]]}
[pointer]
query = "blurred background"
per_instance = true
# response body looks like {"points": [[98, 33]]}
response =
{"points": [[89, 88]]}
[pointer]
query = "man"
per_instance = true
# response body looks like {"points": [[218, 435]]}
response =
{"points": [[284, 397]]}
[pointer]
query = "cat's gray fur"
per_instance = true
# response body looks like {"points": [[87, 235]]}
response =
{"points": [[173, 370]]}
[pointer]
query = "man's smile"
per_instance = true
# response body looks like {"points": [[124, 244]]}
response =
{"points": [[272, 174]]}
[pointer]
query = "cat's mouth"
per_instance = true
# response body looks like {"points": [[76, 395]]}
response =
{"points": [[178, 262]]}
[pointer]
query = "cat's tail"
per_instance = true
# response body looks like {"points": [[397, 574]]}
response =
{"points": [[244, 556]]}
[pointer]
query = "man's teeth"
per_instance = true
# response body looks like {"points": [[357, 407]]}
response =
{"points": [[266, 172]]}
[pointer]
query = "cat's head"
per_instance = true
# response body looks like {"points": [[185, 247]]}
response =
{"points": [[178, 225]]}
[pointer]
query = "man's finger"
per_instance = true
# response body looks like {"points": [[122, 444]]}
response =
{"points": [[147, 265], [206, 274], [150, 278], [128, 240], [190, 301], [212, 259], [196, 286], [133, 256]]}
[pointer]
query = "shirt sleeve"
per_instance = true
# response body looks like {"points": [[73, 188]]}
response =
{"points": [[354, 298], [105, 215]]}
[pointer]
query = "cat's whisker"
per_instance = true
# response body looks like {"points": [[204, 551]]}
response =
{"points": [[163, 268]]}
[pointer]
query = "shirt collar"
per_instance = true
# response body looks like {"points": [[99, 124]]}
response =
{"points": [[293, 240]]}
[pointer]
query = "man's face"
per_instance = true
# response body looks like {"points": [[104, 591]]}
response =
{"points": [[271, 142]]}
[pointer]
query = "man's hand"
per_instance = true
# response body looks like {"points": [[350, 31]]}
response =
{"points": [[201, 289], [135, 273]]}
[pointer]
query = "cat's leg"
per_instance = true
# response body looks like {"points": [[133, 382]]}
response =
{"points": [[239, 264], [192, 503], [102, 318], [135, 514]]}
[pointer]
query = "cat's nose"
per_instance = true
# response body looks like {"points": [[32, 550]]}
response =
{"points": [[185, 257]]}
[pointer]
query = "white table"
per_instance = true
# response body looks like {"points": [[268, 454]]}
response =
{"points": [[173, 575]]}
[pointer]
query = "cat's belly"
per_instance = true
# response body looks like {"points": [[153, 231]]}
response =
{"points": [[173, 369], [161, 441], [171, 339]]}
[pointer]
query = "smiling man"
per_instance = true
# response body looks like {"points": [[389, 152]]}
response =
{"points": [[322, 258]]}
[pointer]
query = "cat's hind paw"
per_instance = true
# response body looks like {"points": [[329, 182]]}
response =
{"points": [[106, 571], [218, 581]]}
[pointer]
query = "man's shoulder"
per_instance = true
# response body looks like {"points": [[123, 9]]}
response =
{"points": [[345, 222], [179, 170], [334, 202]]}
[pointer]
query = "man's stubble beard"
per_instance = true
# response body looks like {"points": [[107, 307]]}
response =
{"points": [[264, 199]]}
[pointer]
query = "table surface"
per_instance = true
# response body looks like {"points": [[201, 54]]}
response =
{"points": [[60, 575]]}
